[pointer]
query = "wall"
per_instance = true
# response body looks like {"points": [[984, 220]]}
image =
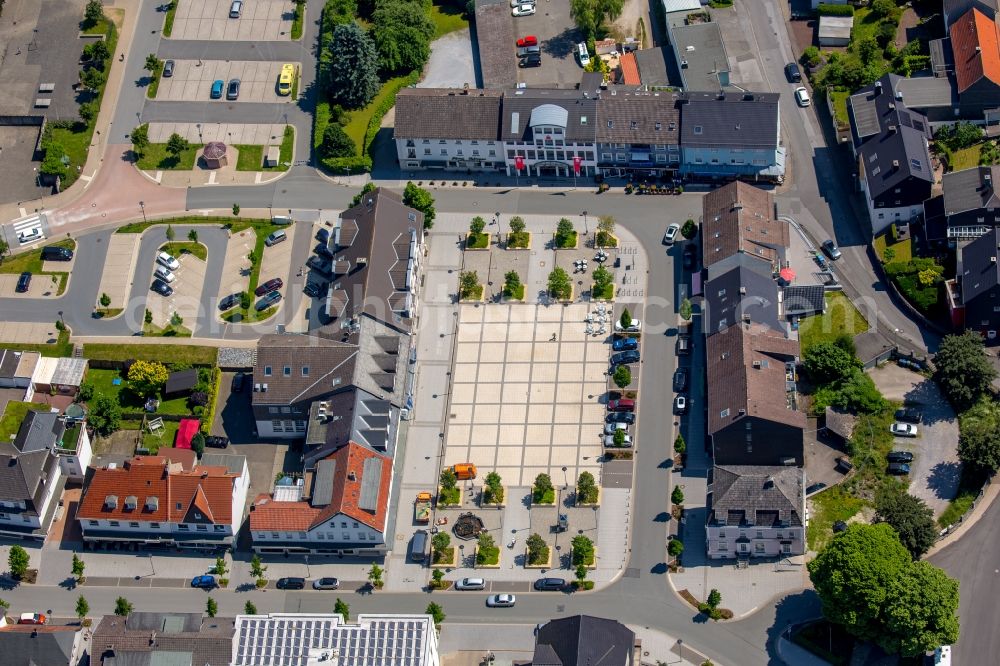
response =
{"points": [[449, 153], [766, 539]]}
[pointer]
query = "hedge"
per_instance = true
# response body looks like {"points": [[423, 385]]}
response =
{"points": [[835, 10], [206, 425]]}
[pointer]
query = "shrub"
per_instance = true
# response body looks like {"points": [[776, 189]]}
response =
{"points": [[677, 496], [586, 489], [690, 229], [538, 550], [675, 548], [622, 376], [680, 446], [493, 492], [825, 9], [583, 550], [542, 491], [487, 551]]}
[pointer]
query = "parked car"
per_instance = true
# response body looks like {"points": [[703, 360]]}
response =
{"points": [[899, 469], [523, 51], [312, 290], [831, 249], [319, 264], [238, 380], [531, 60], [162, 288], [844, 465], [470, 584], [168, 69], [625, 357], [529, 40], [793, 73], [909, 415], [323, 236], [165, 259], [899, 456], [815, 488], [229, 302], [583, 54], [620, 417], [326, 584], [235, 9], [625, 344], [56, 253], [523, 10], [690, 257], [275, 237], [634, 327], [23, 282], [802, 97], [216, 442], [609, 441], [270, 285], [267, 301], [286, 78], [610, 428], [501, 600], [904, 429], [671, 234], [680, 405], [205, 582], [323, 251], [680, 380], [233, 89], [683, 344], [217, 87], [549, 584], [164, 274], [291, 583], [621, 405], [32, 618]]}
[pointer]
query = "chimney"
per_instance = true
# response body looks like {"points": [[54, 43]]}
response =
{"points": [[878, 87], [895, 164], [899, 96], [769, 482], [892, 129], [979, 49]]}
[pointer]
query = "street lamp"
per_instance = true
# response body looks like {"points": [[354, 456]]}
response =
{"points": [[461, 562], [142, 207], [200, 139], [585, 230], [63, 321], [565, 478]]}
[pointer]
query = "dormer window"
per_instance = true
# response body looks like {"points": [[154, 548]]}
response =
{"points": [[267, 371], [658, 127], [287, 371], [633, 125], [583, 120], [698, 129], [305, 370], [611, 123]]}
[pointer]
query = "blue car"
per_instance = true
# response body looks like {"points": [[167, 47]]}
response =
{"points": [[624, 358], [217, 89], [625, 344], [204, 582]]}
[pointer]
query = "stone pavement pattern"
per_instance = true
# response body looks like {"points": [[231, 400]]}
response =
{"points": [[119, 268]]}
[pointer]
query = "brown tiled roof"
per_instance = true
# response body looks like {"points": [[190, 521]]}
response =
{"points": [[739, 217], [210, 641], [327, 361], [746, 371], [630, 70], [177, 493], [975, 42], [447, 113]]}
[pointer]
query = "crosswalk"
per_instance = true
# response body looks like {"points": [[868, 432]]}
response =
{"points": [[30, 230]]}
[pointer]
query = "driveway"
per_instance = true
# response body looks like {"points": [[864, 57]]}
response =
{"points": [[450, 64], [192, 81], [261, 20], [935, 471], [558, 37]]}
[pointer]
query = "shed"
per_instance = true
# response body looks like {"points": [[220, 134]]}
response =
{"points": [[180, 383], [215, 155], [272, 157], [62, 375], [840, 423], [835, 30], [605, 46]]}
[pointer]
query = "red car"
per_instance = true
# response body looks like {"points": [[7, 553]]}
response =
{"points": [[622, 405], [269, 286], [530, 40]]}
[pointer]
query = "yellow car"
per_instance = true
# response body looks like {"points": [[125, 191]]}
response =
{"points": [[285, 79]]}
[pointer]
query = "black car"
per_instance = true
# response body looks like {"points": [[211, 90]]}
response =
{"points": [[214, 442], [238, 380], [620, 417], [680, 380], [899, 457], [23, 283], [899, 469], [168, 69], [267, 301], [323, 236], [229, 302], [625, 357], [530, 60], [291, 583], [549, 584], [323, 251], [233, 91], [269, 286], [815, 488], [793, 73], [320, 265], [690, 256], [54, 253], [162, 288], [312, 289], [909, 415]]}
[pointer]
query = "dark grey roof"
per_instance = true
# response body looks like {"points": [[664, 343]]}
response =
{"points": [[322, 490], [802, 300], [165, 622], [233, 463], [979, 265], [579, 106], [158, 638], [731, 119], [39, 431], [628, 116], [371, 478], [954, 9], [584, 640], [927, 91], [443, 113], [840, 423], [495, 43], [23, 476], [761, 495], [8, 362], [702, 54], [970, 189], [942, 57], [652, 66], [745, 292], [182, 380], [24, 645]]}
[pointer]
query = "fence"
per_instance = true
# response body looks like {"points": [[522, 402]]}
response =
{"points": [[982, 491]]}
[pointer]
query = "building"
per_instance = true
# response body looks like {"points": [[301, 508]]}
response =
{"points": [[653, 67], [975, 45], [637, 133], [817, 3], [546, 131], [59, 375], [340, 507], [978, 286], [150, 501], [48, 431], [579, 640], [739, 218], [300, 639], [700, 55], [952, 10], [31, 480], [163, 639], [755, 511], [628, 70], [17, 368], [835, 30], [740, 289], [752, 412], [449, 129], [180, 383], [890, 146], [731, 135], [968, 205], [495, 43], [33, 645]]}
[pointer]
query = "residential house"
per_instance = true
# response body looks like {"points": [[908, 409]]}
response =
{"points": [[31, 480], [975, 46], [731, 135], [149, 500], [341, 507], [628, 70], [637, 132], [755, 511], [51, 645], [977, 293], [752, 412], [653, 66], [448, 128], [163, 639], [48, 431], [584, 639], [17, 368], [59, 375], [302, 639], [739, 218], [952, 10], [739, 289], [967, 207], [890, 145]]}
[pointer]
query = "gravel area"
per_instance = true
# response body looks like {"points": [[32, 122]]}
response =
{"points": [[450, 64]]}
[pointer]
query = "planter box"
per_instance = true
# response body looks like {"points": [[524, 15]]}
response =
{"points": [[475, 552], [606, 247], [590, 567], [595, 299], [595, 504], [482, 292], [564, 300], [446, 565], [442, 505], [468, 246], [571, 247], [509, 247], [547, 565]]}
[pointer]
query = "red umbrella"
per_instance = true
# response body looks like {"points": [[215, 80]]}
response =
{"points": [[787, 274]]}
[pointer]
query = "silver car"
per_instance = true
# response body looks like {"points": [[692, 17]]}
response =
{"points": [[501, 600], [326, 584], [470, 584]]}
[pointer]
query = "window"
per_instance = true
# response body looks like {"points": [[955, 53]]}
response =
{"points": [[698, 129], [458, 142], [724, 413], [633, 124], [267, 371], [426, 141], [444, 152], [760, 534], [758, 548], [220, 528], [606, 157], [92, 523], [355, 526], [275, 535], [786, 547], [154, 526], [346, 536], [287, 371], [343, 524], [611, 123], [442, 141], [459, 152], [305, 370], [427, 151], [493, 153], [113, 523], [202, 528], [183, 527], [133, 524], [321, 536], [583, 120], [723, 546], [276, 426]]}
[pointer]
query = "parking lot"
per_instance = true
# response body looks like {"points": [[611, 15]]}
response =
{"points": [[261, 20], [193, 83], [186, 298], [557, 36]]}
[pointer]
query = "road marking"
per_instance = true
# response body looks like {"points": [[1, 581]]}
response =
{"points": [[159, 176], [85, 178], [22, 212], [205, 212], [211, 178], [257, 178]]}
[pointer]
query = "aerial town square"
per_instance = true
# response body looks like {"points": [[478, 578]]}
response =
{"points": [[476, 332]]}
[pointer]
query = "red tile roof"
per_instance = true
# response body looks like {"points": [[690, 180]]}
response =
{"points": [[975, 42], [630, 70], [209, 490]]}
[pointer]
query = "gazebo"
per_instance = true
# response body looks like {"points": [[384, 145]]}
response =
{"points": [[215, 155]]}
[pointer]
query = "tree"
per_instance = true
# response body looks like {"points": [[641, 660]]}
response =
{"points": [[714, 599], [152, 64], [537, 548], [868, 50], [883, 8], [4, 248], [170, 233], [689, 230], [147, 378], [583, 550], [246, 300], [105, 300], [827, 362], [979, 437], [352, 73], [685, 310], [421, 199], [606, 223], [586, 489], [176, 144], [337, 143], [560, 286], [436, 612], [909, 516], [193, 235], [342, 609], [517, 224], [198, 444], [105, 415], [494, 490], [602, 278], [468, 284], [148, 317], [78, 567], [92, 78], [94, 12], [440, 542], [886, 31], [677, 496], [542, 487], [960, 135], [888, 254], [211, 607], [86, 392], [512, 283], [477, 225], [140, 139], [626, 319], [257, 569], [52, 164], [581, 572], [236, 210], [565, 233], [249, 608], [963, 371], [18, 561], [375, 575], [97, 53], [82, 607], [368, 187], [176, 319], [675, 547], [619, 438], [680, 446], [867, 582], [622, 376], [402, 31], [590, 14], [486, 549], [88, 111], [220, 566], [123, 607], [858, 392], [437, 576], [448, 478]]}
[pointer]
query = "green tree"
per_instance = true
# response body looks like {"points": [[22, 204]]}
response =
{"points": [[337, 143], [494, 490], [176, 319], [123, 607], [565, 233], [619, 438], [477, 225], [437, 577], [602, 278], [198, 444], [827, 362], [677, 496], [468, 284], [963, 371], [589, 15], [560, 286], [82, 607], [675, 547], [486, 549], [52, 164], [92, 78], [249, 608], [606, 224], [448, 478], [583, 550], [586, 489], [148, 317], [883, 8], [97, 53], [542, 487], [246, 300], [402, 31], [517, 225], [581, 572], [886, 32], [858, 392], [888, 254], [105, 300], [211, 607], [714, 599], [176, 144], [4, 249], [93, 12], [86, 392], [867, 582], [368, 187], [18, 561], [436, 612], [152, 64], [88, 111], [220, 568], [170, 233], [959, 135], [193, 235], [680, 446], [236, 210], [147, 378], [352, 73], [622, 377], [257, 569], [105, 415], [421, 199], [342, 609], [537, 549], [512, 283], [440, 542], [626, 319], [979, 437], [375, 575], [685, 310], [78, 567], [689, 230], [909, 516]]}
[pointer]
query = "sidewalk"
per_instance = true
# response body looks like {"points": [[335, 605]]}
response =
{"points": [[982, 505]]}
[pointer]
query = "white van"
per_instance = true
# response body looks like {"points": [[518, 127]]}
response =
{"points": [[583, 54]]}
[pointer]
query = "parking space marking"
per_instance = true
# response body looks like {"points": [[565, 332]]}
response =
{"points": [[261, 20], [119, 267], [192, 81]]}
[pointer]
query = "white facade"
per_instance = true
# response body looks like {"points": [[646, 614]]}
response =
{"points": [[14, 514], [74, 463], [731, 541], [476, 154], [882, 217], [341, 532]]}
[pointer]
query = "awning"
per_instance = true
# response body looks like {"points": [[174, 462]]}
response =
{"points": [[787, 274]]}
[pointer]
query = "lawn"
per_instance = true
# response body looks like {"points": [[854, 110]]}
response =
{"points": [[357, 126], [235, 225], [448, 18], [168, 20], [154, 84], [300, 14], [168, 331], [839, 99], [477, 241], [516, 294], [191, 354], [966, 158], [177, 248], [251, 157], [32, 263], [165, 437], [10, 423], [902, 250], [840, 317], [70, 437], [155, 156], [56, 349], [103, 381], [828, 507], [605, 294]]}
